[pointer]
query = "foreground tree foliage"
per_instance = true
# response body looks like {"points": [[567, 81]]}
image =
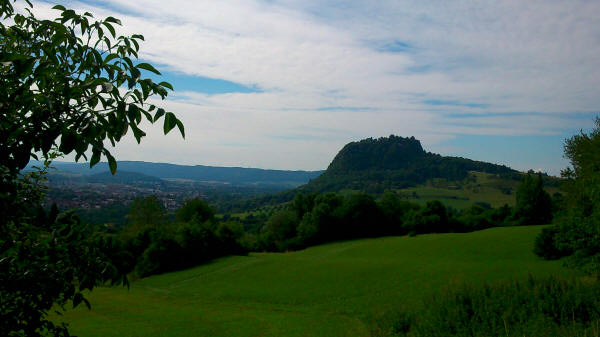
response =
{"points": [[576, 232], [68, 85]]}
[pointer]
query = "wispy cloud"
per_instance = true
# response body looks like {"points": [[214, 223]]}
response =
{"points": [[316, 64], [438, 102]]}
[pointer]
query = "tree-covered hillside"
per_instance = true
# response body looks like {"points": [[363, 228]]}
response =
{"points": [[374, 165]]}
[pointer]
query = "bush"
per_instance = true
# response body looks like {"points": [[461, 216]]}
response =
{"points": [[536, 307], [229, 235], [361, 217], [280, 228], [163, 255], [545, 245], [195, 210], [432, 218]]}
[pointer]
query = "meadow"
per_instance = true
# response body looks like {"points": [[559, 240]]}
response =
{"points": [[338, 289], [481, 187]]}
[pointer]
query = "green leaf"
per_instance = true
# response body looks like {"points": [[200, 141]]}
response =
{"points": [[68, 140], [110, 58], [147, 115], [110, 28], [84, 26], [125, 128], [22, 156], [136, 44], [112, 163], [79, 155], [145, 84], [170, 122], [181, 129], [137, 133], [149, 67], [138, 94], [95, 157], [59, 7], [159, 113], [113, 20], [166, 85], [134, 113]]}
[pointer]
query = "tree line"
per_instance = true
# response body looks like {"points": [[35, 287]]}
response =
{"points": [[154, 241], [316, 218]]}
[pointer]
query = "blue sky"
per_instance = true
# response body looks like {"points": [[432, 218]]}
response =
{"points": [[207, 85], [285, 84]]}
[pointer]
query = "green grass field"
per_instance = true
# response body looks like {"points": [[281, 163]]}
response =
{"points": [[337, 289], [484, 187]]}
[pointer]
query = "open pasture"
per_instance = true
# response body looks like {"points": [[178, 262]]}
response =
{"points": [[337, 289]]}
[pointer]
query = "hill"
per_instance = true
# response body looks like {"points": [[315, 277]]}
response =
{"points": [[339, 289], [402, 165], [200, 173], [393, 163]]}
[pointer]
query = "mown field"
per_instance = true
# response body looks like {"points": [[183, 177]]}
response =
{"points": [[338, 289], [482, 187]]}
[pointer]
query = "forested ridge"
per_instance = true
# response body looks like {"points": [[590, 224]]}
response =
{"points": [[373, 165]]}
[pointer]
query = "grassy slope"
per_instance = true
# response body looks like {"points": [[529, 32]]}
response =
{"points": [[329, 290], [485, 188]]}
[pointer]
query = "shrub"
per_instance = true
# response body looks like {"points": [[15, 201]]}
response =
{"points": [[195, 210], [536, 307], [546, 246]]}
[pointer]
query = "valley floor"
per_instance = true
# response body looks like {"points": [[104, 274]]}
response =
{"points": [[338, 289]]}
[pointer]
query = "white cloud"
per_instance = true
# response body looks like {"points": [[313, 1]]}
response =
{"points": [[539, 57]]}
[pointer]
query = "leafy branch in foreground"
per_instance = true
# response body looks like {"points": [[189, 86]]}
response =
{"points": [[72, 79], [68, 85]]}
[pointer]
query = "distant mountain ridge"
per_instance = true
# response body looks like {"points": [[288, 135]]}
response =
{"points": [[394, 162], [232, 175]]}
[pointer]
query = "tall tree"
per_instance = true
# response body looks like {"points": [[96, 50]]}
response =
{"points": [[533, 205], [68, 85], [146, 212], [577, 230], [195, 210]]}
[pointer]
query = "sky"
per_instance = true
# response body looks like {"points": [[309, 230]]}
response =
{"points": [[286, 84]]}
